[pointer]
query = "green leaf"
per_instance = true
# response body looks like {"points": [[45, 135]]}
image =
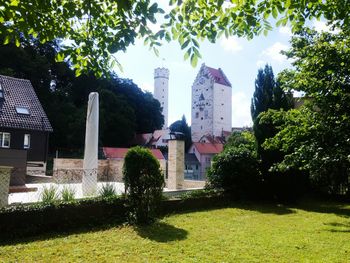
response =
{"points": [[194, 60], [187, 54], [184, 45]]}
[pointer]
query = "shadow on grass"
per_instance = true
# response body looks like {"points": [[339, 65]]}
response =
{"points": [[58, 233], [161, 232], [324, 206], [186, 206], [339, 227]]}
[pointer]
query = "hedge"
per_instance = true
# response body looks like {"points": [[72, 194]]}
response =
{"points": [[34, 219]]}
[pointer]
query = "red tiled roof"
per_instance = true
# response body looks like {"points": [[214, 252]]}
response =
{"points": [[219, 76], [208, 148], [119, 153]]}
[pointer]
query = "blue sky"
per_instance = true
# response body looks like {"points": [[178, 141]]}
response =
{"points": [[239, 58]]}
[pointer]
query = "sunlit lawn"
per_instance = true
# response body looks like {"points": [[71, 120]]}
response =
{"points": [[312, 232]]}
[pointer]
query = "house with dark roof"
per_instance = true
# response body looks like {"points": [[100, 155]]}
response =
{"points": [[23, 122]]}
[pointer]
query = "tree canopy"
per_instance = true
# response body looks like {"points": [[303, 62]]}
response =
{"points": [[95, 30], [316, 137], [124, 108]]}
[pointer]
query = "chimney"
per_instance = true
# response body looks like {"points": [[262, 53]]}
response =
{"points": [[176, 161]]}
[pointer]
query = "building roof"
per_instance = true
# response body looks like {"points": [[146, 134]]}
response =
{"points": [[20, 108], [141, 139], [208, 148], [219, 76], [119, 153]]}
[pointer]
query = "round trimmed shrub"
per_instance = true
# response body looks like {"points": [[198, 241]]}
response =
{"points": [[236, 171], [144, 184]]}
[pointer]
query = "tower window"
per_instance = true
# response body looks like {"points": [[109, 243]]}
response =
{"points": [[222, 118], [201, 118], [201, 127], [197, 114], [222, 104]]}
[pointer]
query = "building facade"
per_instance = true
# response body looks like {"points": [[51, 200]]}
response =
{"points": [[161, 91], [211, 103], [23, 122]]}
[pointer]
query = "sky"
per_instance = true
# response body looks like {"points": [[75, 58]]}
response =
{"points": [[239, 58]]}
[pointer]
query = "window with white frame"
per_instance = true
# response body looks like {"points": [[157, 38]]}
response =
{"points": [[5, 138], [26, 143]]}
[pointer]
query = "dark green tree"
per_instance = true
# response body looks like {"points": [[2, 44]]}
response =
{"points": [[124, 108], [316, 138], [182, 126], [267, 95], [144, 184]]}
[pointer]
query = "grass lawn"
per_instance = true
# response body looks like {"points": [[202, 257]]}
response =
{"points": [[312, 232]]}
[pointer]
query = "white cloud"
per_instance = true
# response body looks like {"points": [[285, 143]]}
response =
{"points": [[285, 30], [274, 52], [231, 44], [321, 26], [241, 110], [146, 86], [260, 63]]}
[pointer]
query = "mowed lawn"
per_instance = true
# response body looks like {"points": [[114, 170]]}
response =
{"points": [[244, 232]]}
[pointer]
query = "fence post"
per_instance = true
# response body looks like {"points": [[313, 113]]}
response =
{"points": [[5, 174]]}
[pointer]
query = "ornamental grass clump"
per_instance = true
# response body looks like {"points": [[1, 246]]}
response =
{"points": [[108, 190], [68, 194], [49, 195], [144, 184]]}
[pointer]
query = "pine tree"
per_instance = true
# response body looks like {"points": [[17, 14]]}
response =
{"points": [[267, 95]]}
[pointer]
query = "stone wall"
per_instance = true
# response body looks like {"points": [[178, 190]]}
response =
{"points": [[193, 184], [71, 170], [5, 173]]}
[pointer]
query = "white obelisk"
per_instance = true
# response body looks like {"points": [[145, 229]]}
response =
{"points": [[90, 165]]}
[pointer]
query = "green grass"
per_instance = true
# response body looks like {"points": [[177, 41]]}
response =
{"points": [[312, 232]]}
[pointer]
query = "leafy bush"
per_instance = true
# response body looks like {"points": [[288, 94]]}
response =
{"points": [[144, 184], [67, 194], [236, 171], [203, 193], [49, 195], [108, 190]]}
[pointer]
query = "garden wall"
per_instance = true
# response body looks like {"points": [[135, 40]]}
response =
{"points": [[71, 170]]}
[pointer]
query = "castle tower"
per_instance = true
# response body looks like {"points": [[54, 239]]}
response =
{"points": [[211, 103], [161, 91]]}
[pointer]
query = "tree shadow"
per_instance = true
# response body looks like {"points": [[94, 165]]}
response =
{"points": [[339, 227], [58, 233], [161, 232], [324, 206]]}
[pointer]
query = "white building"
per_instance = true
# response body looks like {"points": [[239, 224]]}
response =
{"points": [[211, 103], [161, 91]]}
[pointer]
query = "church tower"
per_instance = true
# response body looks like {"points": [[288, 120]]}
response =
{"points": [[211, 104], [161, 91]]}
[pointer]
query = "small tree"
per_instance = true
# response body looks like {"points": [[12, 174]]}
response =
{"points": [[144, 184], [236, 169]]}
